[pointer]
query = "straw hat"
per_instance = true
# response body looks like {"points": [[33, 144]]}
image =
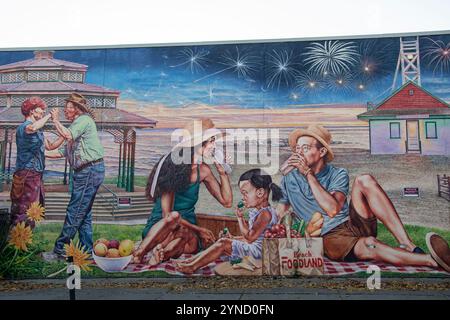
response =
{"points": [[197, 132], [81, 103], [317, 132]]}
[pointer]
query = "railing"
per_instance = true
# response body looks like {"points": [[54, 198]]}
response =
{"points": [[444, 187], [113, 202]]}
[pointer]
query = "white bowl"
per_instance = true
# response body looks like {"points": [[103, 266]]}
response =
{"points": [[112, 264]]}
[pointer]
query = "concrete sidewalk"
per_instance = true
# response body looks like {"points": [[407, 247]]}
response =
{"points": [[222, 289]]}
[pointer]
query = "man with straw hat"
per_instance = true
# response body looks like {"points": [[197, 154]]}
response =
{"points": [[318, 191], [84, 152], [174, 185]]}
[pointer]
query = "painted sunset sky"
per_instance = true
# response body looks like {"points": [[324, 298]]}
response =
{"points": [[270, 76]]}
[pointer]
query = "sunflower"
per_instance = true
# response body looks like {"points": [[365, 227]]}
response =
{"points": [[80, 257], [36, 212], [20, 236]]}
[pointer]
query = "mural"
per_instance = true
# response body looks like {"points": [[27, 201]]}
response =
{"points": [[277, 158]]}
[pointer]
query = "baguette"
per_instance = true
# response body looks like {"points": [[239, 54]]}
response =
{"points": [[316, 233]]}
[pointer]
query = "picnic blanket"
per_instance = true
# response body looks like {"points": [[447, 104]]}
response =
{"points": [[332, 268]]}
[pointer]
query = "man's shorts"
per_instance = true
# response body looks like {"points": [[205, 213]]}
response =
{"points": [[339, 242]]}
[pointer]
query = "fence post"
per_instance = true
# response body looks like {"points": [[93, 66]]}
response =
{"points": [[439, 185]]}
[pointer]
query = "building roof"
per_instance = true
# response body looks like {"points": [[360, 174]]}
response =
{"points": [[398, 113], [43, 60], [54, 87], [106, 118], [409, 100]]}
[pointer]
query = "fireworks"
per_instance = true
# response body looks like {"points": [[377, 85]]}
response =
{"points": [[373, 61], [438, 54], [309, 82], [331, 57], [280, 69], [340, 82], [242, 63], [194, 59]]}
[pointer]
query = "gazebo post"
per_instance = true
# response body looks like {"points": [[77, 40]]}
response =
{"points": [[124, 158], [8, 180], [133, 157], [3, 159], [65, 172], [128, 187], [70, 179], [120, 165]]}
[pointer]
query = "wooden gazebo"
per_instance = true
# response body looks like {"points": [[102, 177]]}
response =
{"points": [[53, 80]]}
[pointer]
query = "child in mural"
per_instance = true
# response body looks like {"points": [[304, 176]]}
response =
{"points": [[349, 229], [255, 187], [84, 152], [172, 229], [27, 184]]}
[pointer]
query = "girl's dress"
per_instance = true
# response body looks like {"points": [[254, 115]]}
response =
{"points": [[241, 248]]}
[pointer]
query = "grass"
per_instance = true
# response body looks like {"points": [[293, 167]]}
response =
{"points": [[46, 234]]}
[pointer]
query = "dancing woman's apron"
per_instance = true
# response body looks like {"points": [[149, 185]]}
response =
{"points": [[184, 203]]}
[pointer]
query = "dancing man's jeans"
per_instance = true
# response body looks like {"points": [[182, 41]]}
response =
{"points": [[79, 211]]}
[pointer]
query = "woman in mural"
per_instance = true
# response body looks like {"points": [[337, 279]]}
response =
{"points": [[27, 185], [255, 187], [174, 185]]}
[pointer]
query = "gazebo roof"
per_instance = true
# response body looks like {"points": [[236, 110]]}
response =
{"points": [[54, 87], [42, 60], [106, 118]]}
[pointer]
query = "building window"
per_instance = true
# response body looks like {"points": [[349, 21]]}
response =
{"points": [[72, 76], [411, 92], [43, 76], [13, 77], [394, 130], [430, 130]]}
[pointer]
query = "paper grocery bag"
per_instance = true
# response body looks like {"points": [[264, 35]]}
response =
{"points": [[292, 256]]}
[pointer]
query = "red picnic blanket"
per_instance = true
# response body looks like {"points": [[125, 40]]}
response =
{"points": [[332, 268]]}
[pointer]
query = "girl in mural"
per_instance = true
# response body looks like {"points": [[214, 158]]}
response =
{"points": [[255, 187], [174, 186], [27, 186]]}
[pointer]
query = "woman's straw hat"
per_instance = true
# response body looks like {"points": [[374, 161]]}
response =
{"points": [[198, 131]]}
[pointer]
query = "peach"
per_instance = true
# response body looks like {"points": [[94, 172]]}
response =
{"points": [[113, 253], [100, 249], [102, 240]]}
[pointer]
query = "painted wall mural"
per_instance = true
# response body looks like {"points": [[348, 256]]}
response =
{"points": [[276, 158]]}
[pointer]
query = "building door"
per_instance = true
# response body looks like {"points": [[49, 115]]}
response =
{"points": [[413, 136]]}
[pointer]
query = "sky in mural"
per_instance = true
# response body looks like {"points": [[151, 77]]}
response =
{"points": [[265, 75]]}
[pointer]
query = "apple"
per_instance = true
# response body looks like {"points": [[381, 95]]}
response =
{"points": [[113, 253], [114, 244], [126, 247], [100, 249], [102, 240]]}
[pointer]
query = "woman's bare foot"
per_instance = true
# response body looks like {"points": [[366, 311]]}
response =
{"points": [[185, 268], [157, 256], [137, 257]]}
